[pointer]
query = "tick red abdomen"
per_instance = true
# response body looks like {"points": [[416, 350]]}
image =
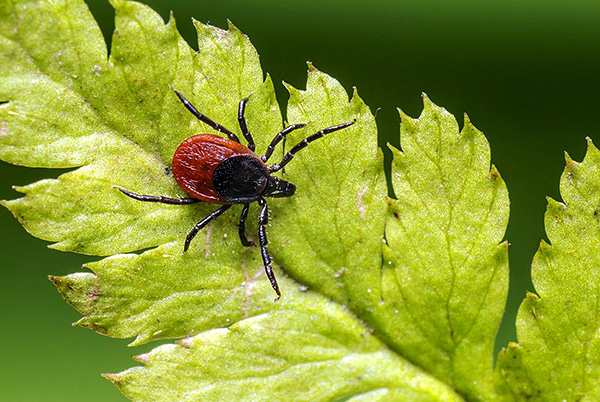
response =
{"points": [[196, 159]]}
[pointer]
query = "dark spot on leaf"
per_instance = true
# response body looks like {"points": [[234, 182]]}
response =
{"points": [[596, 212], [167, 171], [396, 215], [94, 291], [494, 175]]}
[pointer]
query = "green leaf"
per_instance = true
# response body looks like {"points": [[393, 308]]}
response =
{"points": [[311, 351], [443, 257], [559, 353], [359, 320], [338, 211]]}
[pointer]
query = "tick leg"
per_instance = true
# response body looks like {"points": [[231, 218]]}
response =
{"points": [[161, 199], [262, 236], [282, 188], [242, 227], [243, 125], [277, 139], [205, 119], [201, 224], [302, 144]]}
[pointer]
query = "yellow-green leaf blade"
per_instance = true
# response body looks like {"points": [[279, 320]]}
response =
{"points": [[338, 210], [304, 352], [444, 256], [557, 329]]}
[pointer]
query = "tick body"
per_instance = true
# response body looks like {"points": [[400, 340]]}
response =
{"points": [[222, 171]]}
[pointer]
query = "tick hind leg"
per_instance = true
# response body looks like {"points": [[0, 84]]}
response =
{"points": [[201, 224], [242, 227], [159, 199], [263, 220]]}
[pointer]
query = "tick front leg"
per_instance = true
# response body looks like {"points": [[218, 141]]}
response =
{"points": [[203, 118], [302, 144], [243, 125], [242, 227], [277, 139], [263, 220], [201, 224], [160, 199]]}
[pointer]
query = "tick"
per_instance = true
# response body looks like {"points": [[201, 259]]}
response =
{"points": [[222, 171]]}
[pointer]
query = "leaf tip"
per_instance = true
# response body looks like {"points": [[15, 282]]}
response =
{"points": [[290, 88], [202, 27], [171, 18], [554, 205], [233, 29], [494, 173], [570, 162], [395, 151], [591, 152], [426, 100], [467, 120], [143, 358], [114, 378], [513, 345], [589, 141], [403, 115], [140, 339], [529, 296], [311, 67], [544, 248], [20, 189], [61, 284], [80, 323]]}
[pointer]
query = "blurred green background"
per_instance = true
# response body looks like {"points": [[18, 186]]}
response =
{"points": [[526, 72]]}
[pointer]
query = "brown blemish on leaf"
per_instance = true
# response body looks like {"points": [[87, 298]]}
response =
{"points": [[114, 378], [185, 343], [55, 280], [94, 291], [143, 358]]}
